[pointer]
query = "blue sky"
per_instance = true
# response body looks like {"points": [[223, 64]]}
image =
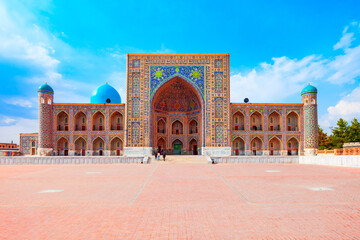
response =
{"points": [[276, 48]]}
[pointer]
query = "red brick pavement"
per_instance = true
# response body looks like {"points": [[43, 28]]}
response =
{"points": [[240, 201]]}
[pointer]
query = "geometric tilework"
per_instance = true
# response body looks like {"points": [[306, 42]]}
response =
{"points": [[136, 82], [218, 107], [160, 74], [311, 129], [219, 134], [135, 132], [218, 82], [135, 107]]}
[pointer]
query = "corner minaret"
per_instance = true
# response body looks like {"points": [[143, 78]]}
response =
{"points": [[46, 128], [309, 99]]}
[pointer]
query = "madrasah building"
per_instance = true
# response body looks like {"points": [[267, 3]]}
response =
{"points": [[178, 103]]}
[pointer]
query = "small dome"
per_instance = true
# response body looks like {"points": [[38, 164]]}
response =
{"points": [[105, 94], [45, 88], [308, 89]]}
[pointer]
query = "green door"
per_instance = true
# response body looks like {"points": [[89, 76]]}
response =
{"points": [[177, 149]]}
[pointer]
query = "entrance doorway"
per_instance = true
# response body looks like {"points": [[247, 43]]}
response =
{"points": [[33, 151], [82, 152], [66, 152], [195, 152], [177, 146], [193, 147], [176, 114]]}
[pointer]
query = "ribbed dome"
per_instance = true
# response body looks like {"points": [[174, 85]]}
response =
{"points": [[308, 89], [45, 88], [105, 94]]}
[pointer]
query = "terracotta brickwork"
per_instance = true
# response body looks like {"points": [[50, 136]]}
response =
{"points": [[265, 128], [101, 122], [205, 76], [29, 143], [46, 120], [178, 103]]}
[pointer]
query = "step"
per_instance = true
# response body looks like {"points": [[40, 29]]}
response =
{"points": [[181, 159]]}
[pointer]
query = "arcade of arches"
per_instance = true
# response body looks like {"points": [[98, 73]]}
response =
{"points": [[176, 118]]}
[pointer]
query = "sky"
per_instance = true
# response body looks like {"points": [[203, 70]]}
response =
{"points": [[276, 48]]}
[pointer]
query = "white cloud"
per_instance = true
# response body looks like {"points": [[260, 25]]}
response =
{"points": [[7, 120], [20, 101], [284, 77], [274, 82], [345, 40], [19, 125]]}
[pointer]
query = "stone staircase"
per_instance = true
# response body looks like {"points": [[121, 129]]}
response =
{"points": [[181, 159]]}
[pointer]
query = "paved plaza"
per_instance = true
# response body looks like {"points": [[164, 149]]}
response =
{"points": [[179, 201]]}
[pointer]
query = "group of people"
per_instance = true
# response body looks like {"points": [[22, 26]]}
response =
{"points": [[157, 154]]}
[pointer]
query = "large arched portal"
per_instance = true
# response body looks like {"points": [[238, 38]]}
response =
{"points": [[175, 106]]}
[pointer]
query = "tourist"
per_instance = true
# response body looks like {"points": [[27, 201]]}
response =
{"points": [[162, 151], [158, 156], [156, 153], [164, 155]]}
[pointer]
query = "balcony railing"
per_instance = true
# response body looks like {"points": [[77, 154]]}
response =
{"points": [[239, 128], [276, 128], [116, 128], [256, 128], [292, 128]]}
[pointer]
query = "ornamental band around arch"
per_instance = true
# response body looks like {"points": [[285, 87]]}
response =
{"points": [[176, 103]]}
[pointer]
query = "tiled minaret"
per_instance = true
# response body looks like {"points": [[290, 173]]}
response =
{"points": [[311, 138], [46, 121]]}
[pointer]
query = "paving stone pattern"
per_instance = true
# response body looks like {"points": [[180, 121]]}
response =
{"points": [[179, 201]]}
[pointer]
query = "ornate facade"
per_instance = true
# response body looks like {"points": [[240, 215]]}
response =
{"points": [[177, 103]]}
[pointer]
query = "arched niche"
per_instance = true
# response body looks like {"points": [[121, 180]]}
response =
{"points": [[274, 121], [116, 121], [238, 146], [80, 146], [274, 146], [62, 121], [292, 122], [238, 121], [80, 121], [256, 121], [98, 121], [256, 146]]}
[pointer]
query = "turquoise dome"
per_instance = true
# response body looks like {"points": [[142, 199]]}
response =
{"points": [[308, 89], [45, 88], [105, 94]]}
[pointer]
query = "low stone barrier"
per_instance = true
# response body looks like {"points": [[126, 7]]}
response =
{"points": [[256, 159], [72, 160], [332, 160]]}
